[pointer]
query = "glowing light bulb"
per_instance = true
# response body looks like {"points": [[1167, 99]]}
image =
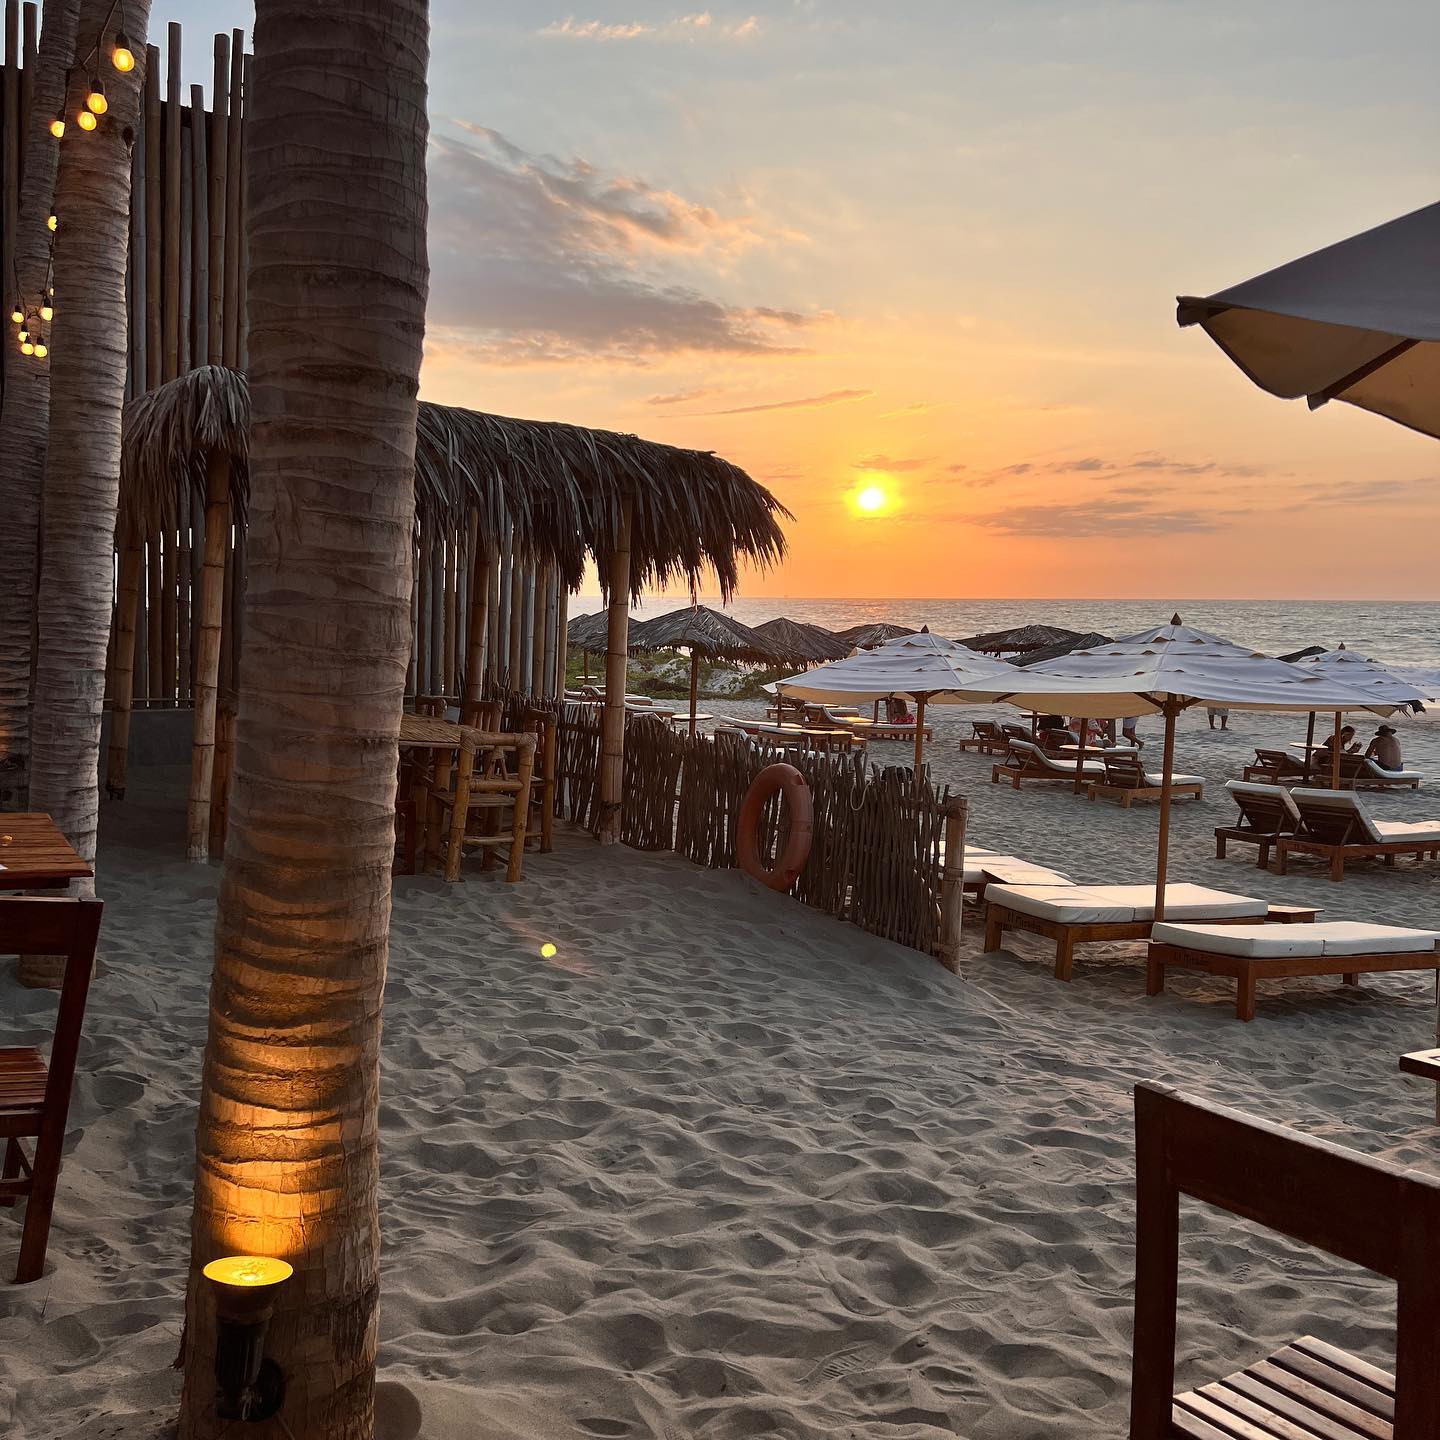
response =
{"points": [[57, 125], [47, 312], [41, 350], [24, 336], [122, 57], [249, 1272], [85, 120], [53, 222], [96, 100], [549, 950], [17, 315], [26, 348]]}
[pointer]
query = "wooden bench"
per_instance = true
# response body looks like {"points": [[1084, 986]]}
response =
{"points": [[1123, 912], [1334, 947], [34, 1094], [1369, 1213], [1127, 780]]}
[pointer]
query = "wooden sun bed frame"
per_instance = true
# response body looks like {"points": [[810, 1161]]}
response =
{"points": [[1263, 821], [1247, 969], [1027, 768], [1328, 836], [1368, 1212], [1274, 767], [1068, 934], [1360, 772], [988, 738], [1127, 780]]}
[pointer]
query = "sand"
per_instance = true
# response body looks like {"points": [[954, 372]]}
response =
{"points": [[724, 1167]]}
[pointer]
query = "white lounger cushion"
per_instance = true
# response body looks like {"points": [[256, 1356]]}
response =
{"points": [[1061, 767], [1158, 780], [1122, 904], [1381, 773], [1008, 870], [1321, 937], [1269, 792], [1377, 832]]}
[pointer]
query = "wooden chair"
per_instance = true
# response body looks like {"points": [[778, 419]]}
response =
{"points": [[541, 827], [34, 1096], [988, 738], [1275, 767], [468, 805], [1127, 780], [1370, 1213], [1335, 826]]}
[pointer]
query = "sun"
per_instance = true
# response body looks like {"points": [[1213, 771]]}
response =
{"points": [[871, 500]]}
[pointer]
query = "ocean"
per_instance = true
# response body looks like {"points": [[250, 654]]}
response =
{"points": [[1397, 633]]}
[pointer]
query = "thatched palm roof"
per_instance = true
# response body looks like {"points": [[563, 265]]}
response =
{"points": [[558, 488], [801, 644], [1021, 638], [170, 434], [1064, 647], [706, 632], [862, 637], [1304, 654], [591, 632]]}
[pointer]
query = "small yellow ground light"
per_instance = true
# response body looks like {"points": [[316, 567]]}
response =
{"points": [[247, 1272], [549, 950]]}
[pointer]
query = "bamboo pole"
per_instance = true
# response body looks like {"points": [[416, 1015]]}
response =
{"points": [[136, 271], [126, 610], [171, 216], [232, 202], [215, 206], [1310, 759], [527, 633], [224, 765], [437, 617], [492, 625], [513, 677], [242, 326], [552, 641], [694, 686], [452, 612], [502, 617], [187, 230], [1172, 709], [11, 206], [952, 884], [29, 21], [542, 624], [562, 636], [479, 615], [612, 728], [1335, 753], [920, 738], [412, 673], [423, 684], [207, 657], [1080, 756], [199, 230], [154, 238], [155, 582]]}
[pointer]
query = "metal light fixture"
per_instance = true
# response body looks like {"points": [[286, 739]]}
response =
{"points": [[250, 1387]]}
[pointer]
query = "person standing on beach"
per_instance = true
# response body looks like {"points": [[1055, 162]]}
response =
{"points": [[1216, 712], [1127, 731]]}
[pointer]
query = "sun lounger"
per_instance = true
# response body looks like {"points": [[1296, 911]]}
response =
{"points": [[1266, 813], [1128, 780], [1275, 767], [1361, 772], [988, 738], [1268, 952], [985, 867], [1368, 1212], [1074, 915], [1335, 825], [1027, 761]]}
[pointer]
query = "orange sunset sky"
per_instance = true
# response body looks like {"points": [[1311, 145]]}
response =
{"points": [[932, 247]]}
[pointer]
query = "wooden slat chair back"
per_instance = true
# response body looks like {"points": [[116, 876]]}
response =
{"points": [[34, 1094], [1012, 731], [493, 777], [542, 795], [1273, 766], [1266, 814], [1124, 772], [1331, 826], [1372, 1214]]}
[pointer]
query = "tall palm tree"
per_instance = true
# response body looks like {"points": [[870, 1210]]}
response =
{"points": [[88, 344], [286, 1148], [25, 412]]}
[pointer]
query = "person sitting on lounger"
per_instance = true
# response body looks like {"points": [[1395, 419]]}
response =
{"points": [[1384, 749], [897, 711], [1090, 732], [1349, 745]]}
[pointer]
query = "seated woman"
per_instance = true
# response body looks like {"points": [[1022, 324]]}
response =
{"points": [[897, 711], [1092, 732], [1348, 743]]}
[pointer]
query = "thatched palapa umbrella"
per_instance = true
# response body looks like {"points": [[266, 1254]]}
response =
{"points": [[867, 637], [1020, 639], [799, 643], [706, 632]]}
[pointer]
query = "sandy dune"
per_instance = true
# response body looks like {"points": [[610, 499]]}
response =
{"points": [[726, 1168]]}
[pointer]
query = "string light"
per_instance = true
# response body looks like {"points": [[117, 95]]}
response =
{"points": [[41, 350], [122, 57], [53, 222], [24, 336], [47, 312], [95, 100], [26, 348], [86, 120], [57, 125], [18, 315]]}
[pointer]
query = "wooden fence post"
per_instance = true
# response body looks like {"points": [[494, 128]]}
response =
{"points": [[952, 887], [127, 611], [612, 732]]}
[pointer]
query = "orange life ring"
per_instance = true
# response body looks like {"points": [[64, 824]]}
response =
{"points": [[783, 780]]}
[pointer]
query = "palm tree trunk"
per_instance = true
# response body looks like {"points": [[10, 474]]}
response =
{"points": [[89, 344], [25, 413], [286, 1146]]}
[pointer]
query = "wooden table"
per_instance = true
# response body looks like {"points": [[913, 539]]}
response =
{"points": [[34, 855], [424, 732]]}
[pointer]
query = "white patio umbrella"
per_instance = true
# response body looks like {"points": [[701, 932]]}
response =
{"points": [[1167, 670], [1358, 321], [923, 667]]}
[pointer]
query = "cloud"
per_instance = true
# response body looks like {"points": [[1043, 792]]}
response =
{"points": [[810, 402], [1088, 520], [542, 260], [700, 25], [887, 462], [1147, 463], [681, 397], [918, 407]]}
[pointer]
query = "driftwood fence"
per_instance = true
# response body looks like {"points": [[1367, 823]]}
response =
{"points": [[881, 844]]}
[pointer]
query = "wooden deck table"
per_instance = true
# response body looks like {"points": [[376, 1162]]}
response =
{"points": [[34, 855]]}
